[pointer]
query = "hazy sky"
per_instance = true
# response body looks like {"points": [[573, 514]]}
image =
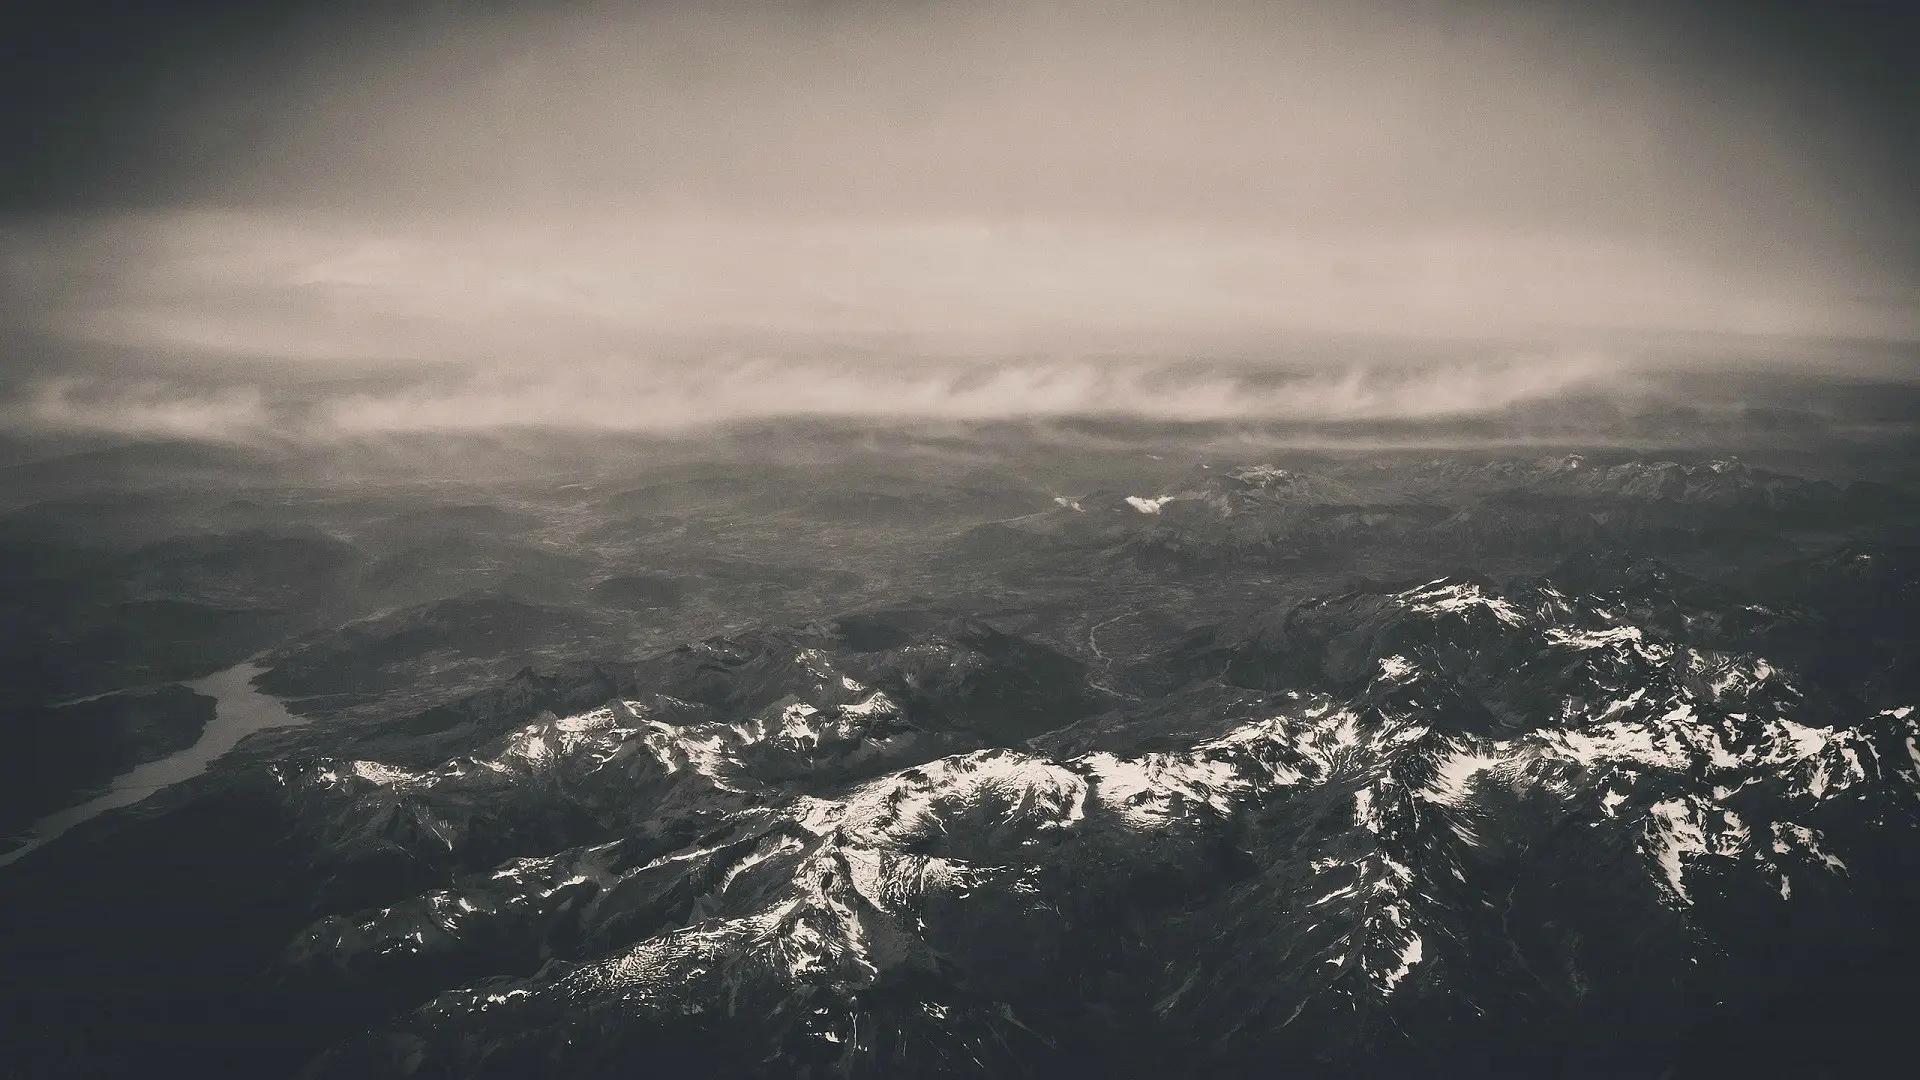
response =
{"points": [[545, 195]]}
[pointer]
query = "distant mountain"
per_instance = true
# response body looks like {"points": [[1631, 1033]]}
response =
{"points": [[1262, 515], [1714, 482]]}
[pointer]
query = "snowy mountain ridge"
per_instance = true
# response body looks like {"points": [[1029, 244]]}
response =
{"points": [[805, 899]]}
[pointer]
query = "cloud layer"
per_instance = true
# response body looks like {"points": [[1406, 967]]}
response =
{"points": [[568, 287], [677, 396], [549, 206]]}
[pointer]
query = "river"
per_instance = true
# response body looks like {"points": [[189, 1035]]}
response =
{"points": [[239, 711]]}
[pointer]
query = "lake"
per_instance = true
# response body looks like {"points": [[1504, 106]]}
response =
{"points": [[240, 710]]}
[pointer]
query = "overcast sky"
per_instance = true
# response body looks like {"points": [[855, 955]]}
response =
{"points": [[551, 192]]}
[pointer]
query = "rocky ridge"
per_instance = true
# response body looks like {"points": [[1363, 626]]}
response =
{"points": [[823, 885]]}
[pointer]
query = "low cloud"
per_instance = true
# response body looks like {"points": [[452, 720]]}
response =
{"points": [[683, 396], [648, 398], [144, 410]]}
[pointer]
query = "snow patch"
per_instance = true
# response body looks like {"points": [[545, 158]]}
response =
{"points": [[1396, 667], [1442, 596], [1453, 776], [1409, 956]]}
